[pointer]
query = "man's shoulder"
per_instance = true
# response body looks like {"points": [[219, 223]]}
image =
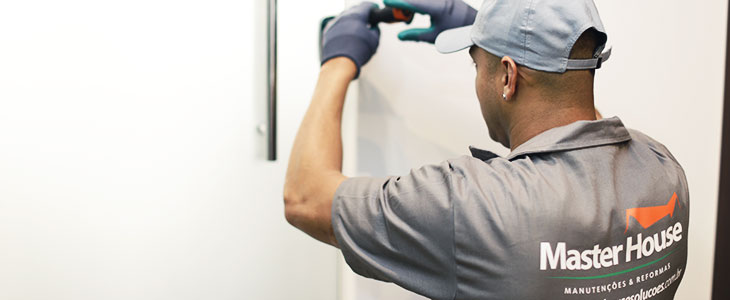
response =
{"points": [[643, 138], [639, 154], [656, 148], [492, 164]]}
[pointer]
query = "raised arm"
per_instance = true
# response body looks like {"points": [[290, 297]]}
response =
{"points": [[315, 164]]}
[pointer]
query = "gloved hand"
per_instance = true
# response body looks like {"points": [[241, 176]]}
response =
{"points": [[351, 36], [445, 15]]}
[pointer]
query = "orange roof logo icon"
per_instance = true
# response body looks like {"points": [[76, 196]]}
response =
{"points": [[647, 216]]}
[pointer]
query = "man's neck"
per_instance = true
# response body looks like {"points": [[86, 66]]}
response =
{"points": [[543, 116]]}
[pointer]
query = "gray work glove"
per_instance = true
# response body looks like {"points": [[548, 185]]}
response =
{"points": [[351, 36], [445, 15]]}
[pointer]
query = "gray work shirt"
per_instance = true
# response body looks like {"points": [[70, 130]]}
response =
{"points": [[589, 210]]}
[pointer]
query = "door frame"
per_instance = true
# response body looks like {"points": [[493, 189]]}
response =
{"points": [[720, 289]]}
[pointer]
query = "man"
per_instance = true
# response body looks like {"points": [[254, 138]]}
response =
{"points": [[580, 209]]}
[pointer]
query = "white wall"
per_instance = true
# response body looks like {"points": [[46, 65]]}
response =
{"points": [[665, 78], [130, 167]]}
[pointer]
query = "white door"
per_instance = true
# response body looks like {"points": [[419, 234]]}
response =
{"points": [[665, 78], [130, 164]]}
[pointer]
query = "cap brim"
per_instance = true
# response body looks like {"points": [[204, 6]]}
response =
{"points": [[453, 40]]}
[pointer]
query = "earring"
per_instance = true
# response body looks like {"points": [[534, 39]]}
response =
{"points": [[504, 96]]}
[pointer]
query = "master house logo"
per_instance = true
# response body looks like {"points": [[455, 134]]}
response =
{"points": [[647, 216], [561, 256]]}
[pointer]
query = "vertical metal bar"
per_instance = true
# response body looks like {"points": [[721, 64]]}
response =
{"points": [[271, 77], [720, 288]]}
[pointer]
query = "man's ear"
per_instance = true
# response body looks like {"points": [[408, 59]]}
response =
{"points": [[509, 79]]}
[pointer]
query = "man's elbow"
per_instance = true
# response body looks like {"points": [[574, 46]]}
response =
{"points": [[292, 204], [309, 210], [292, 216]]}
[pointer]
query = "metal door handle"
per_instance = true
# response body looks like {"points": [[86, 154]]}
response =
{"points": [[271, 78]]}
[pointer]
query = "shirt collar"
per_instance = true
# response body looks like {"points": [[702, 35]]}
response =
{"points": [[577, 135]]}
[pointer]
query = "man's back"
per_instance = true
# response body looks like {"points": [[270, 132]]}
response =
{"points": [[572, 221], [583, 211]]}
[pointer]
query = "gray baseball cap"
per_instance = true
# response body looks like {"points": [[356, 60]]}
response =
{"points": [[538, 34]]}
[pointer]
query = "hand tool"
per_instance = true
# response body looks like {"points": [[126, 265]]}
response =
{"points": [[389, 15]]}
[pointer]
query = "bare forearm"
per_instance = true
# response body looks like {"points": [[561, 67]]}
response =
{"points": [[315, 163], [318, 144]]}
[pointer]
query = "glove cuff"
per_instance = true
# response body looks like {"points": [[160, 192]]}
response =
{"points": [[351, 47]]}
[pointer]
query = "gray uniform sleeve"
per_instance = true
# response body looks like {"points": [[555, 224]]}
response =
{"points": [[401, 229]]}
